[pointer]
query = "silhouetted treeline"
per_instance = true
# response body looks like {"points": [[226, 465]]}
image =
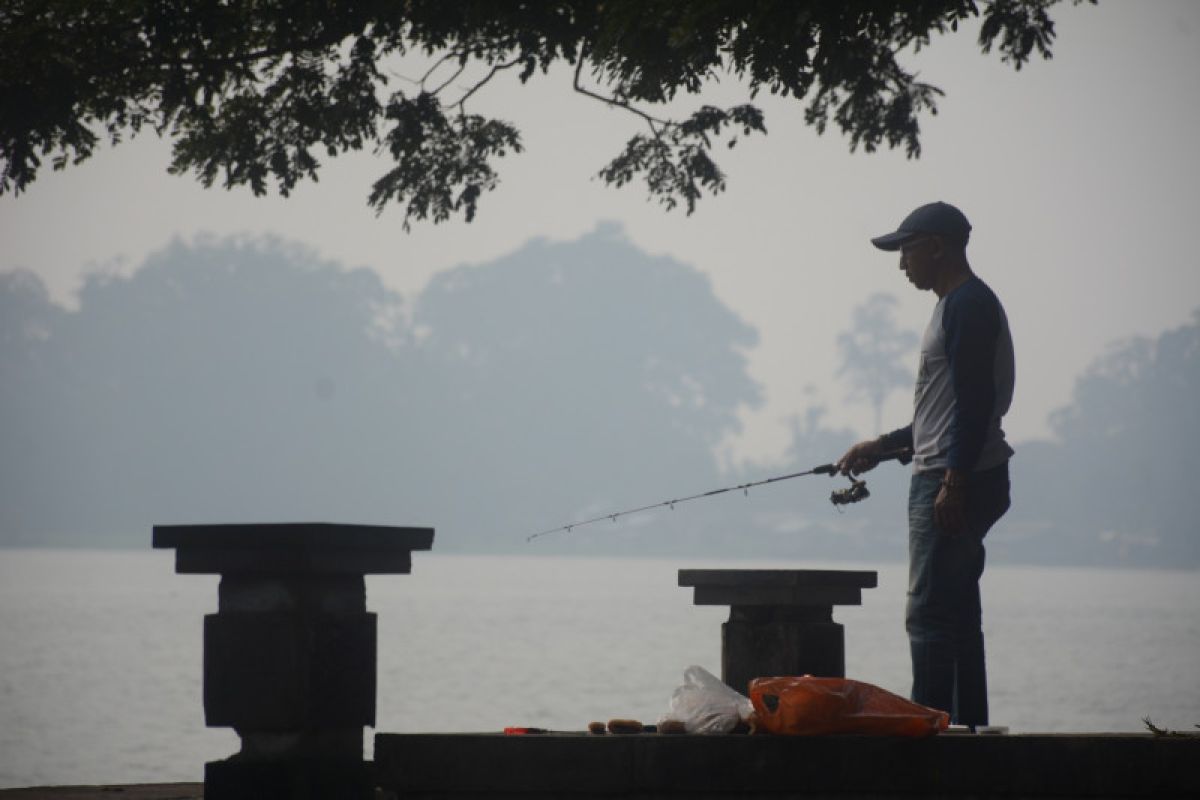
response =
{"points": [[248, 380], [1121, 482]]}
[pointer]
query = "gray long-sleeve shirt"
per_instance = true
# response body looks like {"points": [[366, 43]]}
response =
{"points": [[964, 384]]}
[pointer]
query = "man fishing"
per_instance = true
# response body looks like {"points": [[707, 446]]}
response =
{"points": [[960, 483]]}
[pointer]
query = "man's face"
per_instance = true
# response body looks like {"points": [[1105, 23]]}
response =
{"points": [[918, 262]]}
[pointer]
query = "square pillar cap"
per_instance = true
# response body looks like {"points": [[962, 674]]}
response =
{"points": [[292, 547], [778, 587]]}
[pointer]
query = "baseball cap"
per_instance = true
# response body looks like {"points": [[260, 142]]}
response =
{"points": [[941, 219]]}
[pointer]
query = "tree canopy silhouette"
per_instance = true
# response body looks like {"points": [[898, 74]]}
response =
{"points": [[222, 377], [247, 379], [254, 93], [1118, 484], [573, 376]]}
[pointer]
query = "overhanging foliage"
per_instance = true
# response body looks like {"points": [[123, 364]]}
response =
{"points": [[257, 92]]}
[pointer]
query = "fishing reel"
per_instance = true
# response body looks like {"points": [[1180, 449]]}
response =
{"points": [[856, 491]]}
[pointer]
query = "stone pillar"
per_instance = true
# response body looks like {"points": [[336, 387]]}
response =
{"points": [[780, 621], [289, 657]]}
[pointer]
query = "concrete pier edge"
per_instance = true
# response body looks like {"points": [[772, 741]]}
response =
{"points": [[461, 766]]}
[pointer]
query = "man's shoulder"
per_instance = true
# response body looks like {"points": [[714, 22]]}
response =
{"points": [[972, 298], [973, 290], [973, 310]]}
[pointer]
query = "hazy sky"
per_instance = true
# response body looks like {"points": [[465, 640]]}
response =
{"points": [[1079, 174]]}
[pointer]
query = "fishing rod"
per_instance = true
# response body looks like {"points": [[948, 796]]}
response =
{"points": [[856, 491]]}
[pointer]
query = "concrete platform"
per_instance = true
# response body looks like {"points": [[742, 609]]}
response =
{"points": [[645, 766]]}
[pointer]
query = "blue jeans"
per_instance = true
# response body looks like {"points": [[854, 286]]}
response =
{"points": [[943, 618]]}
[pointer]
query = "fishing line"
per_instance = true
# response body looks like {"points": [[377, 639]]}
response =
{"points": [[852, 494]]}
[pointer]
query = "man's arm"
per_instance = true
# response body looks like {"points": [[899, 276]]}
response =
{"points": [[972, 328], [864, 456]]}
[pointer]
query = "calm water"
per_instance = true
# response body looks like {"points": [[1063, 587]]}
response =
{"points": [[100, 651]]}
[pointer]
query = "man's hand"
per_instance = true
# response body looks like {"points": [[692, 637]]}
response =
{"points": [[950, 506], [862, 457]]}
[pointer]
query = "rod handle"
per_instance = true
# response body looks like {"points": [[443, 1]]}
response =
{"points": [[903, 455]]}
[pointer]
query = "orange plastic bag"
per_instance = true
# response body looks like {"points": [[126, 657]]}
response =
{"points": [[808, 706]]}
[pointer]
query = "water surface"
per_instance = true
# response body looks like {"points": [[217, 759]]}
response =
{"points": [[100, 651]]}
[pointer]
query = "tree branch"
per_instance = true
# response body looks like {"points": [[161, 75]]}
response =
{"points": [[462, 66], [655, 123], [495, 68]]}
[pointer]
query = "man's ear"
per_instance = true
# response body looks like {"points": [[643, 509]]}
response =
{"points": [[939, 248]]}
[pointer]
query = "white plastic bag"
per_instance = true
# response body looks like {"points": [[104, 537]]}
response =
{"points": [[704, 704]]}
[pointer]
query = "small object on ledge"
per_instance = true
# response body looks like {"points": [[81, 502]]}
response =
{"points": [[513, 731], [596, 727], [624, 726], [671, 726]]}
